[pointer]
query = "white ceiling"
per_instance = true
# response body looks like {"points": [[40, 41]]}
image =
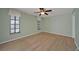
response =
{"points": [[57, 11]]}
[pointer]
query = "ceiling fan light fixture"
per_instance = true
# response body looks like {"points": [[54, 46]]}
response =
{"points": [[42, 13]]}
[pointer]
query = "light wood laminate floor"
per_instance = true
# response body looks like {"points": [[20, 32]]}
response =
{"points": [[40, 42]]}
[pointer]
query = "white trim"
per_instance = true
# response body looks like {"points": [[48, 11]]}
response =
{"points": [[73, 25], [18, 38], [73, 29], [77, 49], [59, 34], [63, 35], [76, 44]]}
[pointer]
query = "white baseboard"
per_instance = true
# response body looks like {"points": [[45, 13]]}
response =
{"points": [[77, 49], [30, 35], [18, 38], [59, 34]]}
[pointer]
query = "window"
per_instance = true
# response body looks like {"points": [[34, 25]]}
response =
{"points": [[14, 24]]}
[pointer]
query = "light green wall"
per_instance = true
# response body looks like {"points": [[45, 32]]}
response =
{"points": [[61, 24], [0, 24], [27, 25], [57, 24], [4, 25]]}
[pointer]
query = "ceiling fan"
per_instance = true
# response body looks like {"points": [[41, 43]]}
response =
{"points": [[43, 11]]}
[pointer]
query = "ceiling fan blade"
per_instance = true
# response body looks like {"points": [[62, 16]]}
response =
{"points": [[46, 13], [36, 12], [48, 10], [39, 14]]}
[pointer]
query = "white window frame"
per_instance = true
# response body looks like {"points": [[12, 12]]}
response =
{"points": [[15, 19]]}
